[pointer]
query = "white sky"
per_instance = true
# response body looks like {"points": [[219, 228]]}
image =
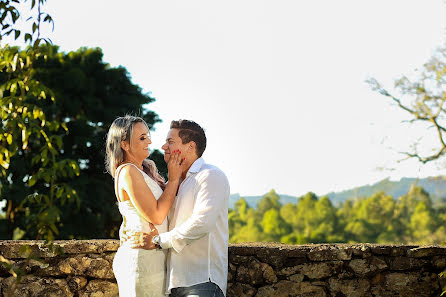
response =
{"points": [[278, 85]]}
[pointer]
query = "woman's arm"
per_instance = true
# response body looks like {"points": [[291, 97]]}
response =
{"points": [[131, 185]]}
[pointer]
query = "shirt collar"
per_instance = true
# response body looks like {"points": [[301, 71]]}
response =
{"points": [[196, 166]]}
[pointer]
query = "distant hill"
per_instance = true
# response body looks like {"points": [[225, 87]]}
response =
{"points": [[252, 200], [435, 186]]}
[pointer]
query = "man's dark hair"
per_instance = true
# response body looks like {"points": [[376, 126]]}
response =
{"points": [[191, 131]]}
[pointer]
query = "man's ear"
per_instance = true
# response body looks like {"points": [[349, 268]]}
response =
{"points": [[191, 146]]}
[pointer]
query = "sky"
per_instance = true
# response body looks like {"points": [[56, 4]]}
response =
{"points": [[279, 86]]}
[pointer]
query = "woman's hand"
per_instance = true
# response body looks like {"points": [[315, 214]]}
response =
{"points": [[141, 240], [175, 166]]}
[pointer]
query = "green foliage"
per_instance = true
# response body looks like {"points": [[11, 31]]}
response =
{"points": [[26, 129], [89, 96], [375, 219]]}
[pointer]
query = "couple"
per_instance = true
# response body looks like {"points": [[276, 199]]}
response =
{"points": [[188, 254]]}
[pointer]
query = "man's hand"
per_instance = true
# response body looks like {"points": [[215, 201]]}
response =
{"points": [[140, 240]]}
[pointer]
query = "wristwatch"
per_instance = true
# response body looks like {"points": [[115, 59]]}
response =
{"points": [[156, 241]]}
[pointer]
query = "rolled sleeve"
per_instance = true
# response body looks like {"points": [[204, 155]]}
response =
{"points": [[211, 197]]}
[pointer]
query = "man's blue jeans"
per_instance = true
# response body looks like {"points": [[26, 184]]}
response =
{"points": [[208, 289]]}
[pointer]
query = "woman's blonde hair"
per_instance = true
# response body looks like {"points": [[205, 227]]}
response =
{"points": [[121, 130]]}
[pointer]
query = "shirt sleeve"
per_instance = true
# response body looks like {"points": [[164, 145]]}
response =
{"points": [[211, 198]]}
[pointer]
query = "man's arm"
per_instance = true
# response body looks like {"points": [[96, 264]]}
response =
{"points": [[212, 197]]}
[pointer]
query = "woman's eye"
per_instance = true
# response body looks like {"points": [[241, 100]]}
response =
{"points": [[143, 138]]}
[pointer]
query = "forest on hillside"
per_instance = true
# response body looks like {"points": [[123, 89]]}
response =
{"points": [[410, 219]]}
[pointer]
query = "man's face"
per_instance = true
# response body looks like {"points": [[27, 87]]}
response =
{"points": [[173, 142]]}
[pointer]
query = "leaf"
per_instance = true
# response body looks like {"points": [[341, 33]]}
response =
{"points": [[36, 112], [37, 42], [64, 126], [54, 229], [17, 34], [25, 137], [59, 192], [32, 181], [9, 138], [25, 251], [4, 163], [13, 88], [47, 177], [28, 37], [59, 142], [35, 159]]}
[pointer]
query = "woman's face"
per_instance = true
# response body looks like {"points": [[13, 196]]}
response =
{"points": [[139, 146]]}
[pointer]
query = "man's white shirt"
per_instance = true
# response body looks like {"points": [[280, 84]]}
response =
{"points": [[198, 229]]}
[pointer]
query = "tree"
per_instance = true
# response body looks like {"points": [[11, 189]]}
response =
{"points": [[89, 96], [423, 98], [274, 227], [26, 127], [372, 216], [269, 201]]}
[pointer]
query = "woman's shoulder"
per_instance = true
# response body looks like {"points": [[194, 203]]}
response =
{"points": [[129, 170]]}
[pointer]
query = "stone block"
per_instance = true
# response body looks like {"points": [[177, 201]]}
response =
{"points": [[294, 261], [243, 249], [250, 273], [287, 288], [349, 287], [241, 290], [287, 271], [361, 250], [297, 278], [402, 284], [439, 262], [99, 268], [37, 286], [76, 265], [320, 270], [426, 251], [367, 267], [237, 260], [76, 283], [310, 290], [268, 274], [329, 253], [100, 288], [405, 263], [273, 257], [281, 289], [298, 252], [399, 251], [381, 250]]}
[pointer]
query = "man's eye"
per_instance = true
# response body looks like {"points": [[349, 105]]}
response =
{"points": [[143, 138]]}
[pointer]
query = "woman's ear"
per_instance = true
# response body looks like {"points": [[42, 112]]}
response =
{"points": [[124, 146]]}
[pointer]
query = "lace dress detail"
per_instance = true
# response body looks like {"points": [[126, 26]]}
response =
{"points": [[139, 272]]}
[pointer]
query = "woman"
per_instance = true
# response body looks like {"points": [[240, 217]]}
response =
{"points": [[141, 201]]}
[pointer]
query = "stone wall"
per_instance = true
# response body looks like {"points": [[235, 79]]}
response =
{"points": [[255, 269]]}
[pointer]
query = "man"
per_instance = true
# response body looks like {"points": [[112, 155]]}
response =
{"points": [[197, 241]]}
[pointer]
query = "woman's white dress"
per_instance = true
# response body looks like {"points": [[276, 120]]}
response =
{"points": [[139, 272]]}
